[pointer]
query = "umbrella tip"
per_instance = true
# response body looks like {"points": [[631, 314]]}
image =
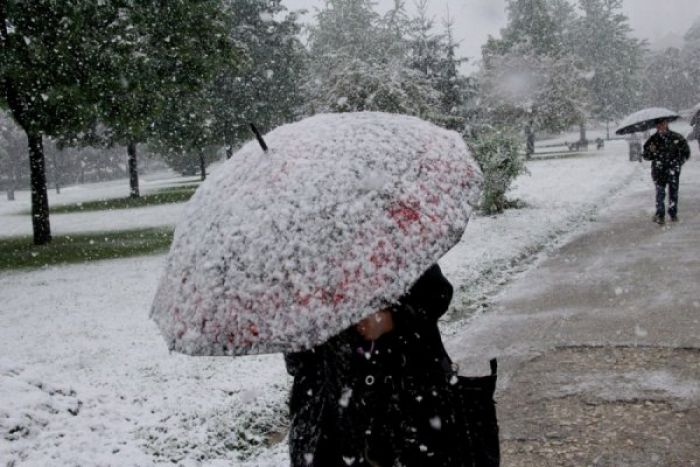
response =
{"points": [[259, 137]]}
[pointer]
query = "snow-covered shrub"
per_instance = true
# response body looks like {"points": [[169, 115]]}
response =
{"points": [[497, 150], [233, 432]]}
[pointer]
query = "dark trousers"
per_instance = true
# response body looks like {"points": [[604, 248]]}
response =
{"points": [[672, 182]]}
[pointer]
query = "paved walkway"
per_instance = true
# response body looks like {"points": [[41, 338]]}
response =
{"points": [[599, 344]]}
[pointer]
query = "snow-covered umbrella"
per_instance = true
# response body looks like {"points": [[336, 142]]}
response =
{"points": [[645, 119], [281, 250]]}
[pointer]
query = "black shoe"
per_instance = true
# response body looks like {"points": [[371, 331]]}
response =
{"points": [[659, 220], [674, 218]]}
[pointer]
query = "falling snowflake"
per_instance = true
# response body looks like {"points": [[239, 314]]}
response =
{"points": [[345, 397]]}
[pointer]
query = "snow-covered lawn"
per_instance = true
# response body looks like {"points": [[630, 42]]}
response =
{"points": [[14, 220], [85, 379]]}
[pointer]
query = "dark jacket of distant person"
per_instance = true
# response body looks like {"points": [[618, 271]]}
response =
{"points": [[667, 152]]}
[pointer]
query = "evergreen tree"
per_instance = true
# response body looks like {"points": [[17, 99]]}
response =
{"points": [[455, 89], [426, 46], [667, 81], [530, 76], [358, 62], [266, 88], [531, 22], [160, 51], [434, 56], [691, 56], [672, 76], [409, 69], [612, 58], [540, 92], [345, 29]]}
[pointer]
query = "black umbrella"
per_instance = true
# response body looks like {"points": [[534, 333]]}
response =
{"points": [[645, 120]]}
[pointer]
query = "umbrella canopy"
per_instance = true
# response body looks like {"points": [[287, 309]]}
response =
{"points": [[281, 250], [645, 120]]}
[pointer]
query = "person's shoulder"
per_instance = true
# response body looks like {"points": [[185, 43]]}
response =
{"points": [[675, 135]]}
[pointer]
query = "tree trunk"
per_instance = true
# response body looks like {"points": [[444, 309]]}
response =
{"points": [[530, 142], [56, 175], [202, 166], [133, 170], [12, 183], [40, 197], [607, 129], [227, 144], [582, 132]]}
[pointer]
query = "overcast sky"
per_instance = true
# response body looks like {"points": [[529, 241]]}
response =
{"points": [[474, 20]]}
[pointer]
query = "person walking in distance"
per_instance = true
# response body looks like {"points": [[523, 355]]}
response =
{"points": [[667, 151]]}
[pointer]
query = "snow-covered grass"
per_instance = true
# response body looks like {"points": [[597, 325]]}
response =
{"points": [[174, 194], [14, 220], [85, 378]]}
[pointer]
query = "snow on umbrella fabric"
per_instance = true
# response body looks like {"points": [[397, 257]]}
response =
{"points": [[645, 120], [281, 250]]}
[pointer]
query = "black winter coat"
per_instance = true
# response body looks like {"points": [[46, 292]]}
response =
{"points": [[379, 404], [667, 153]]}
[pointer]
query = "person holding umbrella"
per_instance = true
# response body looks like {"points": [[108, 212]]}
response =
{"points": [[381, 393], [667, 151], [320, 243]]}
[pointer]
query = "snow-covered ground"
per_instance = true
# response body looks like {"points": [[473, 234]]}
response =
{"points": [[16, 221], [559, 195], [85, 378]]}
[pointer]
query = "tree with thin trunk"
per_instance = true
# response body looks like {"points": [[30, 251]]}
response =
{"points": [[612, 58], [48, 51], [185, 134], [158, 52]]}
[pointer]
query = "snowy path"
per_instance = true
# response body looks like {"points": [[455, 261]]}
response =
{"points": [[598, 345], [89, 382], [560, 195]]}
